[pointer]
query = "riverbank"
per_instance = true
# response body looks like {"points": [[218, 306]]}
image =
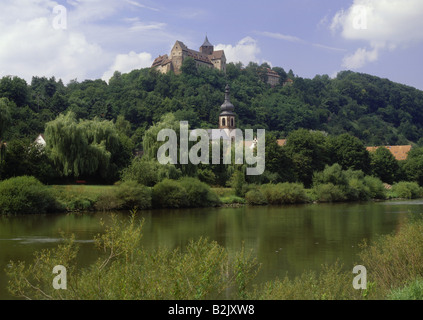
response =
{"points": [[25, 195]]}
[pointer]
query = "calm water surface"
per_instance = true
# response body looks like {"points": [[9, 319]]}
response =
{"points": [[286, 240]]}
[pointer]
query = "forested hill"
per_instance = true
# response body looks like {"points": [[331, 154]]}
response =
{"points": [[378, 111]]}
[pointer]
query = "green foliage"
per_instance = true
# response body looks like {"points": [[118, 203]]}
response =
{"points": [[255, 197], [25, 159], [413, 166], [413, 291], [332, 283], [284, 193], [82, 147], [237, 182], [384, 165], [394, 260], [349, 152], [308, 153], [204, 270], [406, 190], [334, 185], [25, 195], [329, 192], [199, 194], [169, 194], [149, 172]]}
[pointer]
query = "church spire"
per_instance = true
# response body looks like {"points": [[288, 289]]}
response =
{"points": [[227, 116], [207, 47]]}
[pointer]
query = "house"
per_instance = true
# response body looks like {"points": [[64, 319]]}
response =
{"points": [[273, 78], [40, 140], [206, 57], [288, 82], [399, 152], [282, 142]]}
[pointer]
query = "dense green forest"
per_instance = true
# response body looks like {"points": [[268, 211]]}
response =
{"points": [[377, 111], [94, 127]]}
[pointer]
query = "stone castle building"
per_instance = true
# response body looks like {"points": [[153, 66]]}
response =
{"points": [[206, 57]]}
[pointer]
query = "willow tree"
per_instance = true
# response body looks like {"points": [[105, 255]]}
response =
{"points": [[4, 123], [81, 147], [151, 143]]}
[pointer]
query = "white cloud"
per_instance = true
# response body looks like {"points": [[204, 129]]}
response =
{"points": [[127, 62], [360, 58], [30, 46], [381, 24], [245, 51], [280, 36]]}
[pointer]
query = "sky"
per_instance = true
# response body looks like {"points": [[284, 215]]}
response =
{"points": [[90, 39]]}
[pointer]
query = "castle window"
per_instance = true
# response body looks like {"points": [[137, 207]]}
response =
{"points": [[232, 122], [224, 122]]}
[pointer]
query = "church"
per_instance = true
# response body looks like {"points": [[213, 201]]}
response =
{"points": [[206, 57]]}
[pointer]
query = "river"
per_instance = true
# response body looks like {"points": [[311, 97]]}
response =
{"points": [[286, 240]]}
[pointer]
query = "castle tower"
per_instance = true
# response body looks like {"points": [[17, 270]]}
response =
{"points": [[207, 48], [227, 116]]}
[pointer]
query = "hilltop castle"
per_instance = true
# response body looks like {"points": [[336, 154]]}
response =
{"points": [[206, 57]]}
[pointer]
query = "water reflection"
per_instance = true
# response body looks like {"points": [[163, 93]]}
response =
{"points": [[286, 240]]}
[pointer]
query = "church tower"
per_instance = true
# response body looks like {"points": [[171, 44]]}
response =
{"points": [[207, 48], [227, 116]]}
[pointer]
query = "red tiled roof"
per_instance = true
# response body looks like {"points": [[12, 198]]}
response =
{"points": [[399, 152]]}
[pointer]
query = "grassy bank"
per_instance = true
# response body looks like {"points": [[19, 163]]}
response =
{"points": [[26, 195]]}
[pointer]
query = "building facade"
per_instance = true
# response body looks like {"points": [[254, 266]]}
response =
{"points": [[206, 57]]}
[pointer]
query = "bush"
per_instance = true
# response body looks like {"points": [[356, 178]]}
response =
{"points": [[206, 176], [169, 194], [26, 195], [329, 193], [255, 197], [376, 188], [394, 260], [334, 175], [406, 190], [149, 172], [284, 193], [199, 193], [358, 190], [414, 291], [125, 271]]}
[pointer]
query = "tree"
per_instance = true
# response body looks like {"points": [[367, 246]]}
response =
{"points": [[349, 152], [413, 166], [82, 148], [384, 165], [4, 123], [308, 152]]}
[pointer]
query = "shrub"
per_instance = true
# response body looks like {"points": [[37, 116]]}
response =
{"points": [[413, 291], [255, 197], [394, 260], [133, 195], [149, 172], [169, 194], [206, 176], [199, 193], [406, 190], [357, 190], [125, 271], [376, 188], [284, 193], [334, 175], [25, 195], [329, 193]]}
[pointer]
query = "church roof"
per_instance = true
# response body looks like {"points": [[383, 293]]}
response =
{"points": [[227, 107], [207, 43]]}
